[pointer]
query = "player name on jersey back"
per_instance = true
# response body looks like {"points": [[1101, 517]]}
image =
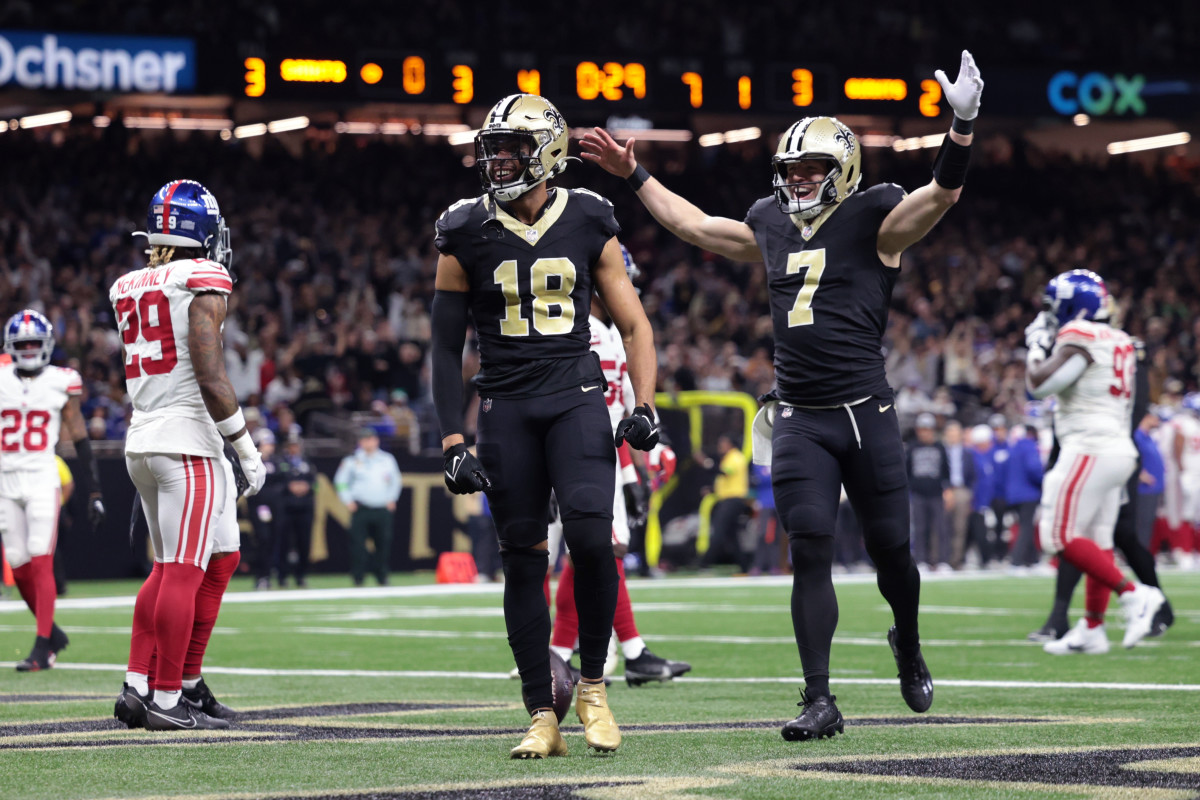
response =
{"points": [[152, 306], [31, 416]]}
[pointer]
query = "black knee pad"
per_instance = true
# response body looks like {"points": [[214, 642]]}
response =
{"points": [[811, 552], [524, 563], [588, 538], [808, 521], [893, 558], [522, 534]]}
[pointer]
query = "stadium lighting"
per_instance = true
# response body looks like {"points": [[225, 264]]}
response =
{"points": [[1149, 143], [245, 131], [356, 127], [101, 121], [396, 128], [918, 142], [150, 123], [289, 124], [654, 135], [1081, 119], [878, 139], [40, 120], [743, 135], [199, 124], [462, 137], [711, 139]]}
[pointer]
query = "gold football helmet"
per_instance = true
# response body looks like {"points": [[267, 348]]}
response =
{"points": [[523, 141], [823, 139]]}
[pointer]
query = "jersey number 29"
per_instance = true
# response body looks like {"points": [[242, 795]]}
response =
{"points": [[150, 317]]}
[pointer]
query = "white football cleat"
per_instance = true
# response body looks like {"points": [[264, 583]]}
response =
{"points": [[1080, 639], [1140, 606]]}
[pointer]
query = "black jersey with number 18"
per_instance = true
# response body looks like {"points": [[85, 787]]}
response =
{"points": [[829, 296], [531, 288]]}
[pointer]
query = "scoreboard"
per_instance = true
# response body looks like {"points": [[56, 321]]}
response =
{"points": [[605, 84]]}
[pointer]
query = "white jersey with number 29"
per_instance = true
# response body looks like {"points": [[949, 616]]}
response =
{"points": [[1093, 414], [152, 305]]}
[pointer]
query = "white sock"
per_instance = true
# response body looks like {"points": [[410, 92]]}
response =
{"points": [[565, 652], [139, 682], [632, 648], [191, 684], [166, 700]]}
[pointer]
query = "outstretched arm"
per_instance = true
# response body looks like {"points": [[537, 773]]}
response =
{"points": [[917, 213], [720, 235]]}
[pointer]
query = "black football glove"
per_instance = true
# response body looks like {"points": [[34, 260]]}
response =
{"points": [[639, 429], [637, 504], [464, 473], [96, 511]]}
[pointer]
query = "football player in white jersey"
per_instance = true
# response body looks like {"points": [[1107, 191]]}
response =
{"points": [[1076, 354], [37, 401], [641, 665], [1182, 541], [1172, 438], [184, 411]]}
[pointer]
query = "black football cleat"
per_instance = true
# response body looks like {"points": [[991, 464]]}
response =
{"points": [[201, 699], [1163, 619], [820, 718], [58, 640], [40, 658], [916, 684], [1050, 632], [180, 718], [131, 707], [649, 667]]}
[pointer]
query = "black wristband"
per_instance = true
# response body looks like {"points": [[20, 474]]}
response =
{"points": [[950, 166], [964, 126], [638, 178]]}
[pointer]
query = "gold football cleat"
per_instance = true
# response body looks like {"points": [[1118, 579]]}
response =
{"points": [[599, 727], [543, 738]]}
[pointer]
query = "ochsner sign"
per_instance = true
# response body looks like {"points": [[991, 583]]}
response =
{"points": [[96, 63]]}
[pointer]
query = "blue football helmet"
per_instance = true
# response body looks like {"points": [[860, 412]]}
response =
{"points": [[1191, 401], [1078, 294], [185, 214], [631, 269], [29, 326]]}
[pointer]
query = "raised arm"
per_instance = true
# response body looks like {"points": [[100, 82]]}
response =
{"points": [[917, 213], [720, 235]]}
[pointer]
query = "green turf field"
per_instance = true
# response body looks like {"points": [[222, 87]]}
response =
{"points": [[402, 693]]}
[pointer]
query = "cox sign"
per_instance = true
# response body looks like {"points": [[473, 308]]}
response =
{"points": [[1096, 93], [96, 63]]}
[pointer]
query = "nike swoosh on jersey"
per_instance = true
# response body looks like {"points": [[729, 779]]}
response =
{"points": [[884, 408]]}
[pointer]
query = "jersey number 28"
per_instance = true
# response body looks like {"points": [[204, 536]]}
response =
{"points": [[35, 439], [150, 317]]}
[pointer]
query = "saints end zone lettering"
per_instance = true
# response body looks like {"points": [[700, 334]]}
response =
{"points": [[328, 505]]}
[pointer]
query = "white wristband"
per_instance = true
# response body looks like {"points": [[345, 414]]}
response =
{"points": [[231, 425], [244, 447]]}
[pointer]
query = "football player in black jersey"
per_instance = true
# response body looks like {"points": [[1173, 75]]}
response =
{"points": [[832, 255], [523, 260]]}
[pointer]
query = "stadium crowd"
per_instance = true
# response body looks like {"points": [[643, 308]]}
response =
{"points": [[334, 261]]}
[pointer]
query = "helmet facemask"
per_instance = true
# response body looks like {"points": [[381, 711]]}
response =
{"points": [[506, 163], [785, 189]]}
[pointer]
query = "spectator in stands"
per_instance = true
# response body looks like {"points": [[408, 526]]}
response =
{"points": [[732, 491], [981, 524], [929, 489], [962, 477], [293, 527], [1023, 492], [1151, 480], [368, 482]]}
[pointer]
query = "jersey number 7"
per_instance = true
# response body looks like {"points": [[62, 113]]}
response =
{"points": [[814, 260], [150, 317]]}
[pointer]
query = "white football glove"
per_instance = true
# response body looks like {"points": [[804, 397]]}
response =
{"points": [[1039, 335], [963, 95], [256, 473]]}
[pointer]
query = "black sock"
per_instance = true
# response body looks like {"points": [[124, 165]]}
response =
{"points": [[1065, 582], [527, 618], [816, 686], [596, 581], [900, 584], [1136, 555], [814, 607]]}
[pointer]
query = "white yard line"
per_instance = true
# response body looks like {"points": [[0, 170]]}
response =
{"points": [[490, 676]]}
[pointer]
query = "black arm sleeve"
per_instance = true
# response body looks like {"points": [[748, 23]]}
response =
{"points": [[449, 323], [89, 477]]}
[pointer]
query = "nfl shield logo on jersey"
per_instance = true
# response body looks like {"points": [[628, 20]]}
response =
{"points": [[787, 412], [531, 234], [486, 405]]}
